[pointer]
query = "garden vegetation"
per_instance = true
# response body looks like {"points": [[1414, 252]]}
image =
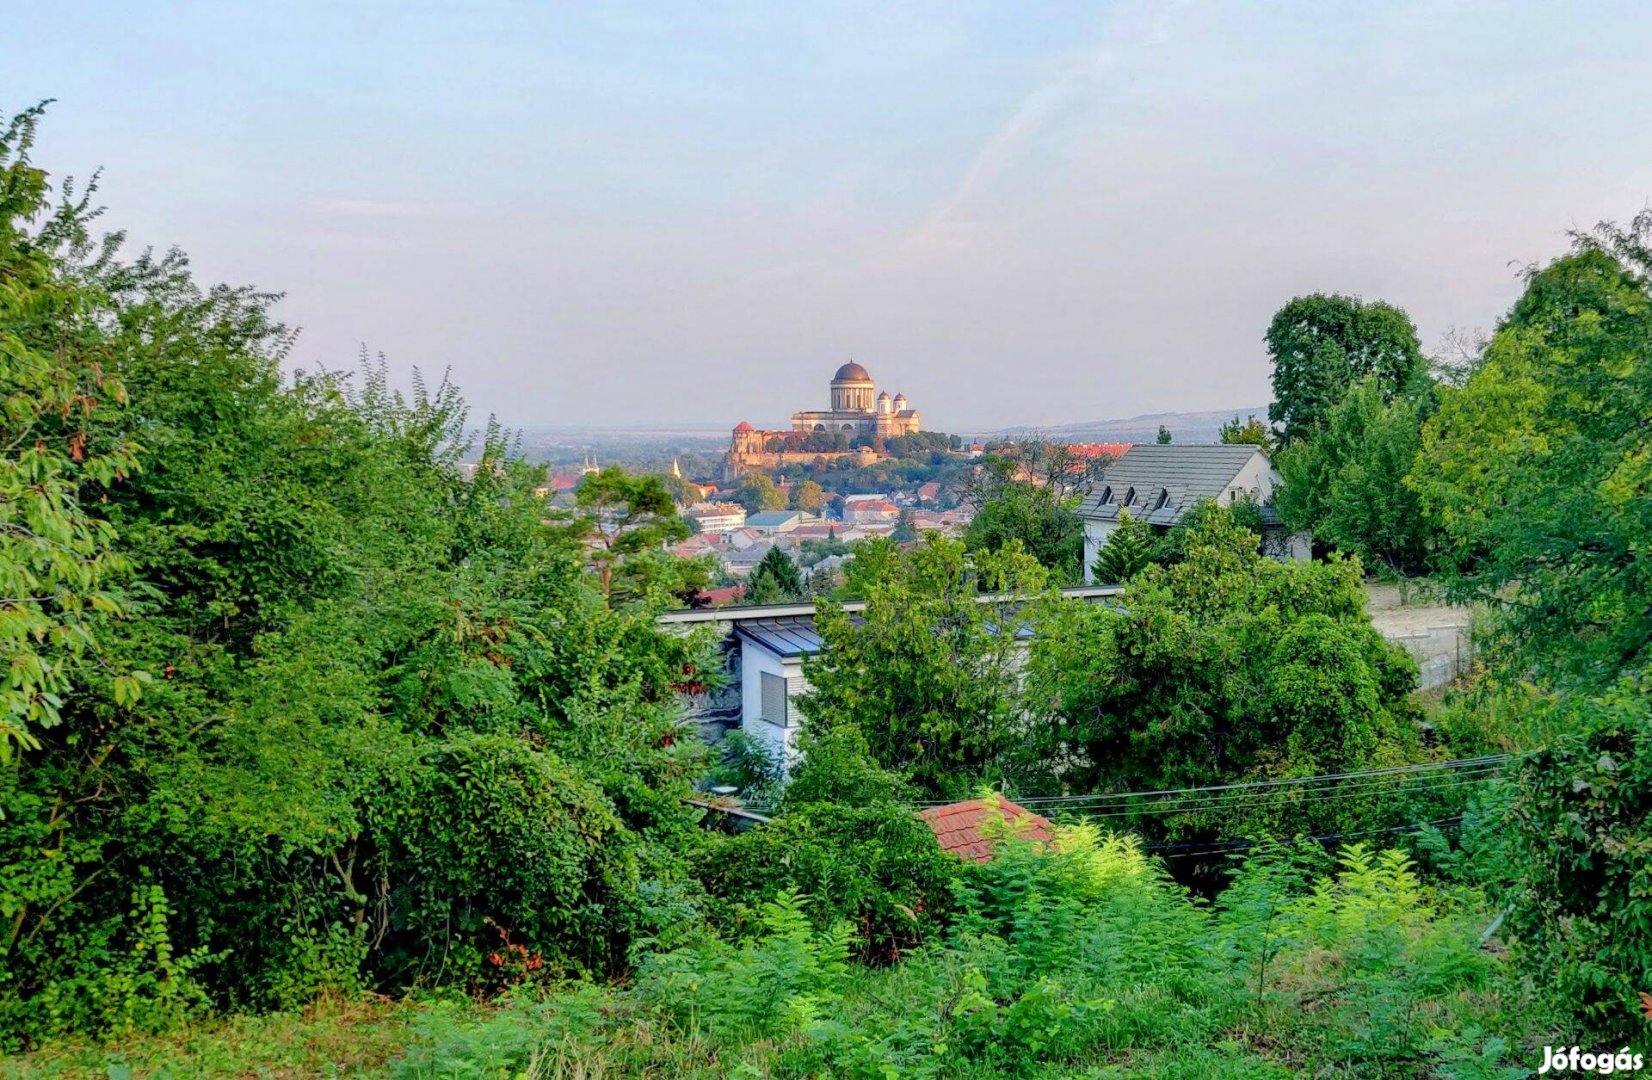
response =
{"points": [[319, 753]]}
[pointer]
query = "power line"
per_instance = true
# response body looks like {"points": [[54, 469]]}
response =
{"points": [[1418, 777], [1225, 846], [1289, 797], [1397, 770]]}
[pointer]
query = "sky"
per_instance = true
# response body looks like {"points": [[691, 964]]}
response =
{"points": [[618, 214]]}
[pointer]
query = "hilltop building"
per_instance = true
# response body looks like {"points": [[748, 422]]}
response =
{"points": [[856, 411], [859, 416]]}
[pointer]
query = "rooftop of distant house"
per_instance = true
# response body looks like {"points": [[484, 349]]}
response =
{"points": [[1159, 483], [958, 828], [1099, 449]]}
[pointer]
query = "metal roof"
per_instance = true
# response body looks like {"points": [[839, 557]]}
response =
{"points": [[796, 635], [774, 517], [786, 638], [1159, 483]]}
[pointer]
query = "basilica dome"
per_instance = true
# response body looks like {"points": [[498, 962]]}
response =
{"points": [[851, 372]]}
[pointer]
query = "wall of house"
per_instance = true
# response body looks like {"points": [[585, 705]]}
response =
{"points": [[715, 711], [1095, 536], [1256, 480], [755, 661]]}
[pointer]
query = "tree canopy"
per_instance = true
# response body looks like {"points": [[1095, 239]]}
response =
{"points": [[1321, 344], [1536, 471], [925, 672], [1223, 665], [1345, 483], [775, 580]]}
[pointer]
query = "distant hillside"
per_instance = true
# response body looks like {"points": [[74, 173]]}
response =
{"points": [[1187, 427]]}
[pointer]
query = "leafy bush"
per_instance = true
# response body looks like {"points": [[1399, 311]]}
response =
{"points": [[875, 867], [1581, 809]]}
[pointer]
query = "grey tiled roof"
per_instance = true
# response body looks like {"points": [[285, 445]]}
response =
{"points": [[1168, 480]]}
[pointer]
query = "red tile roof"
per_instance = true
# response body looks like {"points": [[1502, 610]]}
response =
{"points": [[1099, 449], [957, 827]]}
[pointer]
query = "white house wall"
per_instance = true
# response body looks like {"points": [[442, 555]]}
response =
{"points": [[754, 661]]}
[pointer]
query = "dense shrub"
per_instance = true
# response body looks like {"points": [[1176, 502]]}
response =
{"points": [[1079, 958], [875, 867]]}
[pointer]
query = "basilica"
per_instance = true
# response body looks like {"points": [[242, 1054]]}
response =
{"points": [[855, 411], [859, 416]]}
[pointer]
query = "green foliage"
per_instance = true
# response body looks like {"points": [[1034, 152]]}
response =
{"points": [[1537, 470], [1345, 482], [626, 515], [1323, 344], [1128, 550], [926, 672], [62, 580], [776, 580], [1252, 431], [777, 982], [748, 764], [877, 560], [392, 715], [1223, 666], [757, 493], [875, 867], [808, 496], [1581, 806], [1044, 524], [1170, 545], [837, 767], [1164, 437], [1077, 961]]}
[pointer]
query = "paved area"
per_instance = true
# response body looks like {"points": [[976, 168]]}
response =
{"points": [[1434, 632]]}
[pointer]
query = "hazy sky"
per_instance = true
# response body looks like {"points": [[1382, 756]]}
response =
{"points": [[1014, 213]]}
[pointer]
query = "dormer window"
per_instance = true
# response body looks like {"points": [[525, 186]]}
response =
{"points": [[1130, 497], [1106, 495], [1163, 500]]}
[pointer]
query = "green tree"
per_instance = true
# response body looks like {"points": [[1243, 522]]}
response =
{"points": [[1321, 344], [809, 496], [775, 580], [1164, 436], [61, 579], [1223, 666], [626, 515], [906, 530], [757, 493], [1251, 431], [1536, 471], [389, 703], [927, 671], [1037, 519], [1580, 830], [1345, 483], [876, 560], [1128, 550]]}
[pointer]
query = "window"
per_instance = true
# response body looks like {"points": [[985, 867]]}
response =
{"points": [[1106, 495], [774, 699], [1163, 500], [1130, 497]]}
